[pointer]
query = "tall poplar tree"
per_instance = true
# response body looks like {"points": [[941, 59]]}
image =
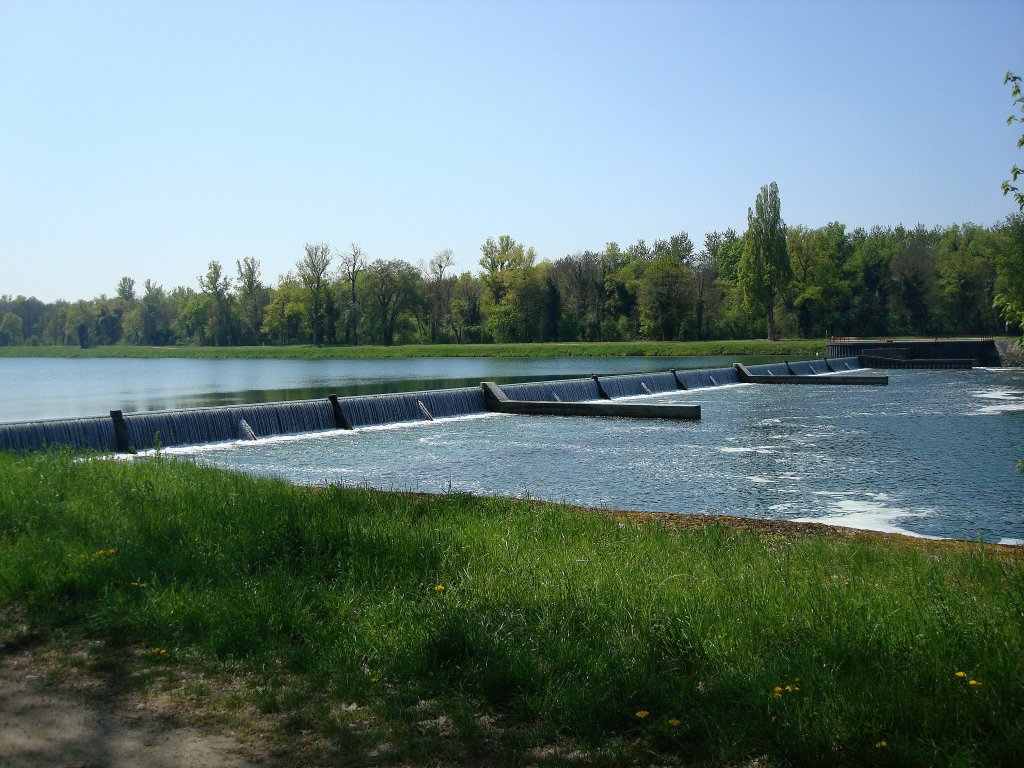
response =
{"points": [[765, 270]]}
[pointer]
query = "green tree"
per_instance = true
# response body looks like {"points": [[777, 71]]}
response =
{"points": [[1009, 285], [1010, 185], [820, 296], [1010, 280], [466, 317], [393, 289], [149, 321], [126, 289], [312, 269], [36, 318], [663, 299], [192, 320], [869, 272], [353, 262], [220, 317], [501, 258], [109, 319], [285, 317], [12, 330], [80, 325], [55, 320], [966, 261], [914, 299], [439, 284], [621, 288], [252, 301], [765, 270], [726, 252], [580, 286], [678, 247], [707, 295]]}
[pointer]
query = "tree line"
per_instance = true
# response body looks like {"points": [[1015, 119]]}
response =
{"points": [[772, 279]]}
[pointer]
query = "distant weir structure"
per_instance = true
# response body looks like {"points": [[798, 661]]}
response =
{"points": [[130, 432], [949, 353]]}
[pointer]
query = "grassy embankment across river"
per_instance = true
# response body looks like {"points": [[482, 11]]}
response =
{"points": [[795, 348], [355, 626]]}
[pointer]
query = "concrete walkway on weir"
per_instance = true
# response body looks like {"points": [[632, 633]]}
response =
{"points": [[499, 402], [747, 377]]}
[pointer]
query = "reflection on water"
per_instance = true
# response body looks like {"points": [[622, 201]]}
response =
{"points": [[923, 456], [45, 388]]}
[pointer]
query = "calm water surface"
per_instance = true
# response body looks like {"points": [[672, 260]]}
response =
{"points": [[932, 454], [44, 388]]}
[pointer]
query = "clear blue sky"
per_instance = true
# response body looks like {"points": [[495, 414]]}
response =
{"points": [[147, 138]]}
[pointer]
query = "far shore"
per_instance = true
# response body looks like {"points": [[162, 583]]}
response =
{"points": [[787, 347]]}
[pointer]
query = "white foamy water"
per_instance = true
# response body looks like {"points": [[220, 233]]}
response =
{"points": [[999, 394], [869, 515], [1006, 401]]}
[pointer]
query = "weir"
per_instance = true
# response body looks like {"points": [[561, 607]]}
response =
{"points": [[954, 353], [631, 385], [498, 401], [194, 426], [593, 396], [378, 410], [561, 390], [710, 377], [88, 434], [759, 375]]}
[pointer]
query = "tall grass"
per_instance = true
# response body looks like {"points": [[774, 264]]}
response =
{"points": [[793, 347], [560, 625]]}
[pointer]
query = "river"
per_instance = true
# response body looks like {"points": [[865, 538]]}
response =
{"points": [[932, 454], [49, 388]]}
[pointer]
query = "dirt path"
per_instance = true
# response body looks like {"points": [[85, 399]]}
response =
{"points": [[44, 723]]}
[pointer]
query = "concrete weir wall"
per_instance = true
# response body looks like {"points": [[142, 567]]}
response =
{"points": [[815, 377], [958, 353], [498, 401], [590, 396]]}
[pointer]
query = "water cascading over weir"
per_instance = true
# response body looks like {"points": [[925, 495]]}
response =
{"points": [[126, 433]]}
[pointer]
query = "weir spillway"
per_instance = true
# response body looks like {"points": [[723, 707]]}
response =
{"points": [[593, 396]]}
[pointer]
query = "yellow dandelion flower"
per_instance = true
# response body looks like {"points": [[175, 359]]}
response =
{"points": [[674, 722], [881, 744], [439, 588], [973, 682], [777, 695], [777, 689], [158, 651], [374, 679], [961, 674], [138, 584], [642, 713]]}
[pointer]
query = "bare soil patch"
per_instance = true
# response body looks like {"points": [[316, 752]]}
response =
{"points": [[50, 716]]}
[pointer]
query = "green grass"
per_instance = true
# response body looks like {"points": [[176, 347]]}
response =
{"points": [[554, 628], [794, 347]]}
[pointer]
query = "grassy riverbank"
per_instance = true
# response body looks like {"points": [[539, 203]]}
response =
{"points": [[458, 630], [796, 348]]}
